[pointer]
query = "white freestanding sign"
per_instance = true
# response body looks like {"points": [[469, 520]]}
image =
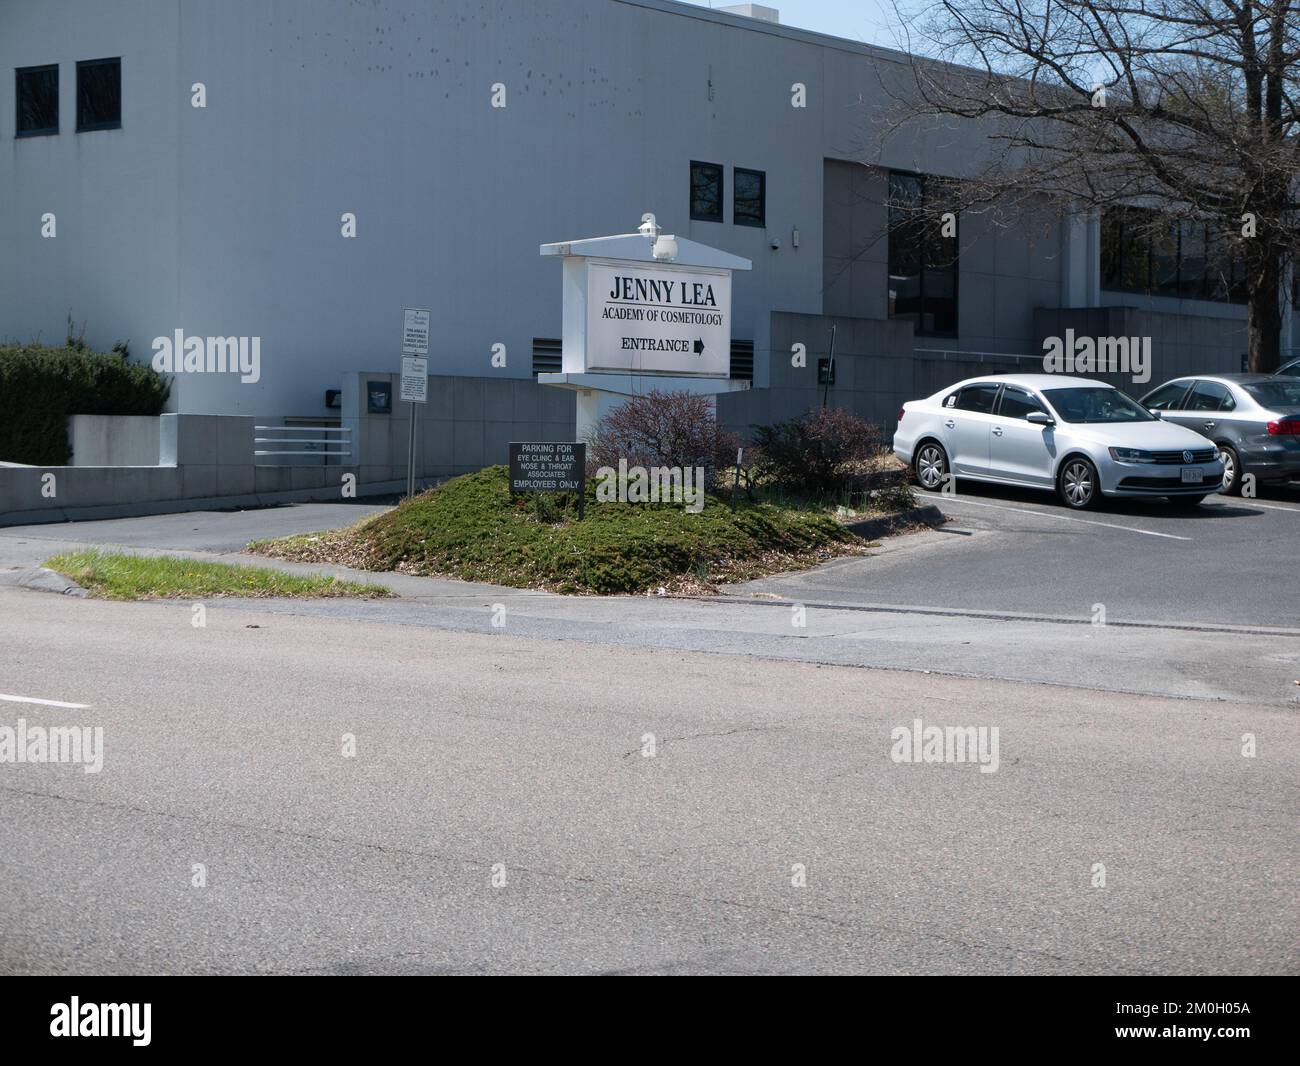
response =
{"points": [[658, 319], [643, 305]]}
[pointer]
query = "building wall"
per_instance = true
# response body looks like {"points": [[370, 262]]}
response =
{"points": [[225, 221]]}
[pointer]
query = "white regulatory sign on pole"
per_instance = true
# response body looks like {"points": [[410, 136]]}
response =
{"points": [[415, 379], [415, 332]]}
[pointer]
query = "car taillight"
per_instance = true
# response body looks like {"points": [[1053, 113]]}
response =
{"points": [[1284, 427], [903, 410]]}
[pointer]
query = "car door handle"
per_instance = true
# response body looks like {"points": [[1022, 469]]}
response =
{"points": [[950, 423], [1210, 425], [997, 431]]}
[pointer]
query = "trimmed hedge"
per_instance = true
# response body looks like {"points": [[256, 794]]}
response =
{"points": [[40, 387]]}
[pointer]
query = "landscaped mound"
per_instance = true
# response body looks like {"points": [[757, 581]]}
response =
{"points": [[471, 529]]}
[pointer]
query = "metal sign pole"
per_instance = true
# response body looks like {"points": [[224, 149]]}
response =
{"points": [[410, 454]]}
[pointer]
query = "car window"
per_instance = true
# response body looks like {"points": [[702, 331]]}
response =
{"points": [[1167, 397], [977, 398], [1016, 403], [1280, 393], [1096, 404], [1208, 396], [950, 400], [1291, 369]]}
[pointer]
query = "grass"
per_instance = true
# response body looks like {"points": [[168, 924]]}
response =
{"points": [[117, 576], [470, 528]]}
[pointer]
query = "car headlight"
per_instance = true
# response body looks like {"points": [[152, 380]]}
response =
{"points": [[1130, 455]]}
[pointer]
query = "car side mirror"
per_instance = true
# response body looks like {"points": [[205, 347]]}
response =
{"points": [[1155, 411], [1040, 418]]}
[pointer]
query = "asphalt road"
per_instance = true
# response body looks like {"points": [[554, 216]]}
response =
{"points": [[1007, 590], [480, 753]]}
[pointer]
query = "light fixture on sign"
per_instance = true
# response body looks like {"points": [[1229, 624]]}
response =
{"points": [[648, 225], [665, 247]]}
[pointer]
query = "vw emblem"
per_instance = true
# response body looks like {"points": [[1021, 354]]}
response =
{"points": [[1187, 457]]}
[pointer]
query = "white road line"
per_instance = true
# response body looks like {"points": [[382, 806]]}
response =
{"points": [[1246, 502], [1061, 517], [43, 703]]}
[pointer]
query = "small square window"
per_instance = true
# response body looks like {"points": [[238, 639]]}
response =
{"points": [[706, 192], [37, 90], [99, 95], [751, 191]]}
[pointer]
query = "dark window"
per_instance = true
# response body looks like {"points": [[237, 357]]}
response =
{"points": [[749, 206], [1141, 252], [38, 101], [1016, 403], [99, 94], [706, 192], [1167, 397], [922, 259], [1209, 396], [977, 398]]}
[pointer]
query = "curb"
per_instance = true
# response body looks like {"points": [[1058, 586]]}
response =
{"points": [[42, 579], [871, 528]]}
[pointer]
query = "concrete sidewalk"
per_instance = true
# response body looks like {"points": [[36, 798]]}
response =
{"points": [[1211, 662]]}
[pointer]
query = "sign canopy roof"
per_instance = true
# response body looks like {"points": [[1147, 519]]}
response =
{"points": [[639, 246]]}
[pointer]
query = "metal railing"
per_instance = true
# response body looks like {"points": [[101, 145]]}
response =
{"points": [[321, 446], [975, 357]]}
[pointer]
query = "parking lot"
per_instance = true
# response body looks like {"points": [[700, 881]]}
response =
{"points": [[1232, 561]]}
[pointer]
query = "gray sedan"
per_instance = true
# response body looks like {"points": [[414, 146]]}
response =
{"points": [[1253, 419]]}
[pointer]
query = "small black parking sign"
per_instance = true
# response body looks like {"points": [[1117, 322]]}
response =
{"points": [[548, 466]]}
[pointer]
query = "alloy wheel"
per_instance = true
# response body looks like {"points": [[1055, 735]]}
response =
{"points": [[1077, 483]]}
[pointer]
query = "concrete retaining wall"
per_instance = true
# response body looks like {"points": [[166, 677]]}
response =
{"points": [[467, 424], [113, 440]]}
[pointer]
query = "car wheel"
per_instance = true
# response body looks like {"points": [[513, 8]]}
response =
{"points": [[931, 466], [1231, 470], [1076, 484]]}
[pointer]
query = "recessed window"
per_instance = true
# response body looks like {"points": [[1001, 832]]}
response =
{"points": [[750, 193], [99, 95], [706, 192], [922, 255], [1143, 252], [38, 101]]}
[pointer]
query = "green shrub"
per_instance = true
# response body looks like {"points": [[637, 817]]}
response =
{"points": [[40, 387]]}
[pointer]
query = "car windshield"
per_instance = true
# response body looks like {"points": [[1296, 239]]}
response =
{"points": [[1275, 393], [1087, 404]]}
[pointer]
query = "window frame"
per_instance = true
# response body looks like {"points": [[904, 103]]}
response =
{"points": [[722, 191], [85, 64], [736, 220], [48, 131]]}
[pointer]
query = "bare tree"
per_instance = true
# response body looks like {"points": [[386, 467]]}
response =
{"points": [[1187, 107]]}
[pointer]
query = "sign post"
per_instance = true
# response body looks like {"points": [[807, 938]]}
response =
{"points": [[415, 377]]}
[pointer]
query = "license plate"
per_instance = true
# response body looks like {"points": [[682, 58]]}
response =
{"points": [[1193, 475]]}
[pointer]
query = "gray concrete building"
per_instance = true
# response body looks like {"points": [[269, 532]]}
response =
{"points": [[298, 171]]}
